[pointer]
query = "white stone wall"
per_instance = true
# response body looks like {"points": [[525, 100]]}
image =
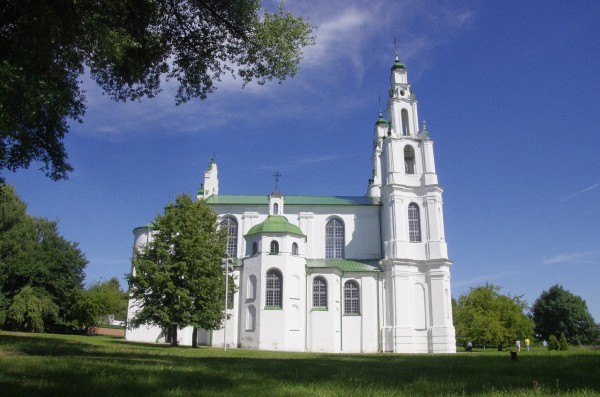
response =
{"points": [[361, 227]]}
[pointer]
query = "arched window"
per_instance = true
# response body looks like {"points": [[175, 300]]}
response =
{"points": [[319, 292], [275, 209], [414, 223], [274, 288], [294, 249], [274, 247], [405, 128], [230, 224], [409, 159], [334, 239], [351, 298], [254, 248]]}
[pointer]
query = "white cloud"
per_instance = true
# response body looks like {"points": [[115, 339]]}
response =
{"points": [[583, 191], [480, 280], [348, 35], [303, 161], [592, 256]]}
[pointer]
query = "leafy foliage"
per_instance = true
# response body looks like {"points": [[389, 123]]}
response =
{"points": [[486, 317], [95, 303], [40, 271], [177, 279], [130, 47], [563, 344], [553, 343], [558, 310], [29, 311]]}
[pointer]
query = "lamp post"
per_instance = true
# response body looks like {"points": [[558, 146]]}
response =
{"points": [[226, 301]]}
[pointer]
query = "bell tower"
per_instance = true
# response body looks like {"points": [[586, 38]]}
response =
{"points": [[418, 316]]}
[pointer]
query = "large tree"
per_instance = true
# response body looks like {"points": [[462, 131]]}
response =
{"points": [[558, 310], [177, 278], [484, 316], [40, 271], [129, 48]]}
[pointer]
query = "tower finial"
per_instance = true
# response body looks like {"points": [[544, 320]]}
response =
{"points": [[277, 175], [395, 49]]}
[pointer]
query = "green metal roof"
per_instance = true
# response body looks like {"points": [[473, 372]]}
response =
{"points": [[381, 120], [398, 65], [275, 224], [345, 265], [231, 199], [150, 225]]}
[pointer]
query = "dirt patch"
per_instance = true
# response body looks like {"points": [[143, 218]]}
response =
{"points": [[109, 332]]}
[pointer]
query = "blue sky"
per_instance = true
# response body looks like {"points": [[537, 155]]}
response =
{"points": [[509, 90]]}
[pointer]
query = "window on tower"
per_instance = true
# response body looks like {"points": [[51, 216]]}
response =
{"points": [[334, 239], [274, 290], [405, 128], [414, 223], [351, 298], [409, 159], [230, 224], [319, 292], [274, 247]]}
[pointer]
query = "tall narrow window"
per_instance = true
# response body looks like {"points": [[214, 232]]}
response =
{"points": [[274, 290], [334, 239], [409, 159], [294, 249], [405, 128], [254, 248], [351, 298], [414, 223], [275, 209], [319, 292], [274, 247], [230, 224]]}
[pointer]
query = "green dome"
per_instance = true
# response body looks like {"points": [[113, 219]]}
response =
{"points": [[275, 224], [398, 65], [381, 120]]}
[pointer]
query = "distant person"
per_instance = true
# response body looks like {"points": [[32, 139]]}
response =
{"points": [[527, 344], [500, 346], [469, 347], [518, 343]]}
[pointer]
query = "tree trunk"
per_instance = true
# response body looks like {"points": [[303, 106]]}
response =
{"points": [[174, 342], [195, 337]]}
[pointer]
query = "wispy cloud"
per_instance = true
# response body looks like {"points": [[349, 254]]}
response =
{"points": [[579, 193], [350, 36], [592, 256], [303, 161], [484, 278]]}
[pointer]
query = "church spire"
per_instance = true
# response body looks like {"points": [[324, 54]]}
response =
{"points": [[211, 180]]}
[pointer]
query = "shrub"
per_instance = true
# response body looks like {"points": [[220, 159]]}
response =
{"points": [[563, 344], [553, 343]]}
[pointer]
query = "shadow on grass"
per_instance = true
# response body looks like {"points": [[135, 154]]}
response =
{"points": [[109, 367]]}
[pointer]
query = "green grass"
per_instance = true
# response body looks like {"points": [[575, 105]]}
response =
{"points": [[58, 365]]}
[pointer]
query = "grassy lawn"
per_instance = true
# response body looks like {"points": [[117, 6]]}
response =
{"points": [[58, 365]]}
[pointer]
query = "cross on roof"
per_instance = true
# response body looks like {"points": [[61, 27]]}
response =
{"points": [[277, 175]]}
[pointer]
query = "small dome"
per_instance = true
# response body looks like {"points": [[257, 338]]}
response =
{"points": [[398, 65], [275, 224], [381, 120]]}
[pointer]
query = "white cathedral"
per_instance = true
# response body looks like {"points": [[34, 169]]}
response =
{"points": [[359, 274]]}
